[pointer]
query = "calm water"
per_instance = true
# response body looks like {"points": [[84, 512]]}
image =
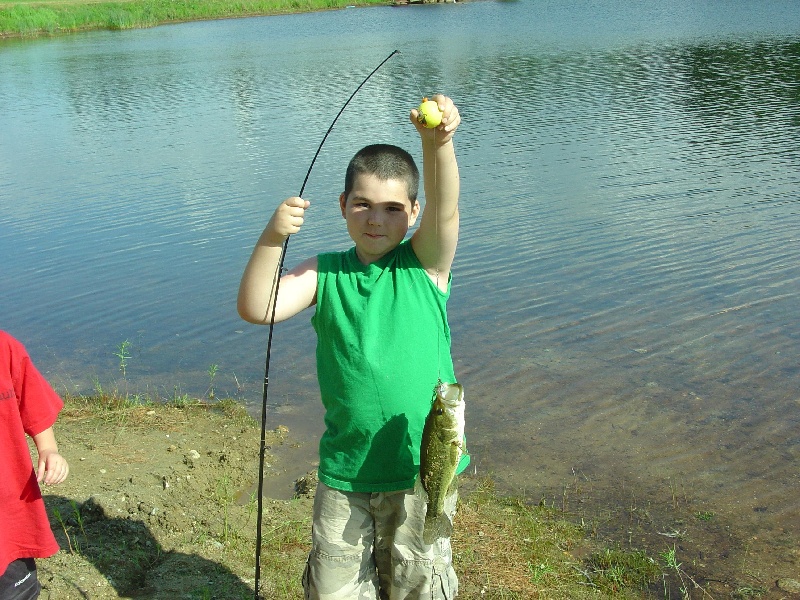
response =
{"points": [[627, 289]]}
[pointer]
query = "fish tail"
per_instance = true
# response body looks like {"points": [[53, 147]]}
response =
{"points": [[436, 526]]}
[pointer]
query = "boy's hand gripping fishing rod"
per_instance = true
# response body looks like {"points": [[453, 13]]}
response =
{"points": [[276, 286]]}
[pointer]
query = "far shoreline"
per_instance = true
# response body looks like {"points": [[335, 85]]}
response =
{"points": [[28, 20]]}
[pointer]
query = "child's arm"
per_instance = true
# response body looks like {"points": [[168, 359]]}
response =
{"points": [[435, 240], [257, 288], [53, 467]]}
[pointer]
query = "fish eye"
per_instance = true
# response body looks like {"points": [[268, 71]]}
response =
{"points": [[439, 411]]}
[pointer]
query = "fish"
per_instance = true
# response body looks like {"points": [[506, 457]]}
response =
{"points": [[440, 452]]}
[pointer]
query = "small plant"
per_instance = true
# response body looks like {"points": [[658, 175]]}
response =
{"points": [[212, 372], [179, 399], [616, 575], [252, 505], [123, 355], [670, 560], [613, 569], [63, 523], [226, 497], [76, 513], [539, 571], [705, 515], [98, 389]]}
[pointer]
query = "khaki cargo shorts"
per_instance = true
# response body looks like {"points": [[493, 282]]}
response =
{"points": [[369, 547]]}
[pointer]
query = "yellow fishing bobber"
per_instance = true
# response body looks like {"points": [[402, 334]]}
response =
{"points": [[429, 114]]}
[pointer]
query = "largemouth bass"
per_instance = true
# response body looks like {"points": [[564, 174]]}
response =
{"points": [[440, 452]]}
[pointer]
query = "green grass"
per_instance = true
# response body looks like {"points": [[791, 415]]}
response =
{"points": [[136, 409], [505, 547], [19, 18], [615, 569]]}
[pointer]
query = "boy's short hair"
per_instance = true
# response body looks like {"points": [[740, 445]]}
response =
{"points": [[385, 161]]}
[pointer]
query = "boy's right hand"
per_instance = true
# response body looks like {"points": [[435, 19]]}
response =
{"points": [[287, 219]]}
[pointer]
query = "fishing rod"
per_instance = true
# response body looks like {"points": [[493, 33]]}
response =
{"points": [[276, 285]]}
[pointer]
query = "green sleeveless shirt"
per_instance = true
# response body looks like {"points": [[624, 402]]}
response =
{"points": [[383, 342]]}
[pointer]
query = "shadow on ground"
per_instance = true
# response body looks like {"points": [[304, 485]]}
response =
{"points": [[129, 558]]}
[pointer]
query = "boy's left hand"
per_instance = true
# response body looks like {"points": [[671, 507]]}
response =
{"points": [[53, 468], [451, 119]]}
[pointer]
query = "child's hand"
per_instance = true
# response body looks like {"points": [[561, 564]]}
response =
{"points": [[450, 120], [288, 218], [53, 468]]}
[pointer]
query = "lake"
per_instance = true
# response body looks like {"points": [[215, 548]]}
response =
{"points": [[627, 287]]}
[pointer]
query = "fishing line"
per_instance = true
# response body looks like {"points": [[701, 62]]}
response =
{"points": [[276, 285], [410, 72], [436, 231]]}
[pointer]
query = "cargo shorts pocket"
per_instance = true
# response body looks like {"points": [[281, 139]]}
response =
{"points": [[444, 583], [339, 578]]}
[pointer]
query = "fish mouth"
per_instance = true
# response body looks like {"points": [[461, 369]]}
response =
{"points": [[451, 394]]}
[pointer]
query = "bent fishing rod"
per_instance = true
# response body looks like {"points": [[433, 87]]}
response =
{"points": [[276, 285]]}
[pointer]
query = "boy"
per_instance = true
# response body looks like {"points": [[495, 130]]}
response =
{"points": [[28, 405], [383, 342]]}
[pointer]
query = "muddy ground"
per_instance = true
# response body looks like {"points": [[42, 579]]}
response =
{"points": [[159, 504]]}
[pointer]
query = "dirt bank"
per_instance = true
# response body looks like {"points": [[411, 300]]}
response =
{"points": [[160, 504], [157, 506]]}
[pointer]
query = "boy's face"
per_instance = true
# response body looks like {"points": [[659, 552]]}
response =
{"points": [[378, 214]]}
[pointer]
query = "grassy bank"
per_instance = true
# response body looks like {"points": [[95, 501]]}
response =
{"points": [[48, 17], [161, 491]]}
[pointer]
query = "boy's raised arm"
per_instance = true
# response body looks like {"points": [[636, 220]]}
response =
{"points": [[435, 240], [257, 288]]}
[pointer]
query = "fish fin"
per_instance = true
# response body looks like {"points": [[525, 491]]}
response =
{"points": [[419, 489], [456, 450], [453, 487]]}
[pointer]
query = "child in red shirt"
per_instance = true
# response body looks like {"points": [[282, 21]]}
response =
{"points": [[28, 405]]}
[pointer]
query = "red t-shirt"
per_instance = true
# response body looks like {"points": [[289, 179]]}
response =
{"points": [[28, 405]]}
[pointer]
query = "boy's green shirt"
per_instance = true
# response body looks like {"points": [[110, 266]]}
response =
{"points": [[383, 342]]}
